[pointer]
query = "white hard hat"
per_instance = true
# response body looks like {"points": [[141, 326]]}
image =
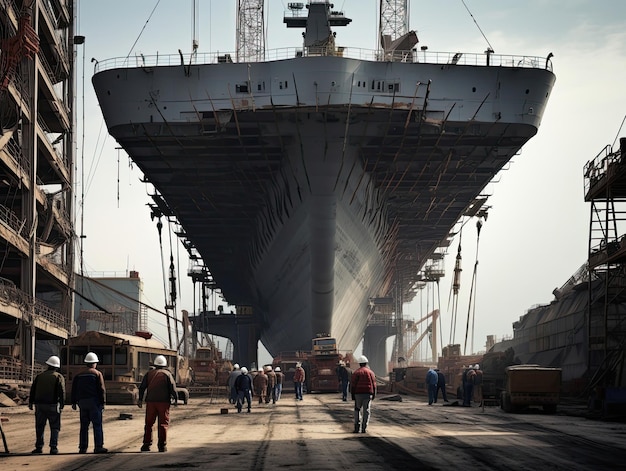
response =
{"points": [[54, 361], [477, 366], [91, 357], [363, 359], [298, 364], [236, 366], [268, 368], [160, 360], [244, 370], [277, 368]]}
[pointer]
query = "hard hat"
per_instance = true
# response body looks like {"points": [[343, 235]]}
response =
{"points": [[342, 363], [54, 361], [160, 360], [363, 359], [298, 364], [91, 357], [277, 368], [268, 368], [244, 370], [236, 366], [477, 366]]}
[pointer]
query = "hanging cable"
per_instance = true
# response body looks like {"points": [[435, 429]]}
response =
{"points": [[476, 23], [164, 276], [172, 279], [471, 308], [456, 285]]}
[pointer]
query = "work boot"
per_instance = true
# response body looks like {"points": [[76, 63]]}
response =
{"points": [[36, 450], [363, 429], [145, 447], [54, 450], [356, 429], [82, 451], [162, 448], [101, 450]]}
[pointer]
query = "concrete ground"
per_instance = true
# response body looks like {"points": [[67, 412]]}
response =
{"points": [[316, 434]]}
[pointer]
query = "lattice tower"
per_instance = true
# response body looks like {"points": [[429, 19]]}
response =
{"points": [[250, 31], [394, 18]]}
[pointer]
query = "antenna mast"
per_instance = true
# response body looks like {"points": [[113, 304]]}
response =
{"points": [[394, 18], [250, 31]]}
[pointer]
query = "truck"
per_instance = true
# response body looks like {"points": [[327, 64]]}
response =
{"points": [[322, 365], [531, 385]]}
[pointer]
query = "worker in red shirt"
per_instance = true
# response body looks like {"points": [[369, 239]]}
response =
{"points": [[363, 389], [159, 387]]}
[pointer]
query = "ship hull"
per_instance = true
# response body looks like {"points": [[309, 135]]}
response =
{"points": [[311, 185]]}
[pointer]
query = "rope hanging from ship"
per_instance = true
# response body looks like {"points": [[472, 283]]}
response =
{"points": [[454, 292], [471, 308]]}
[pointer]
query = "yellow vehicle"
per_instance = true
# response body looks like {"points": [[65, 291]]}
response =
{"points": [[324, 345], [124, 359]]}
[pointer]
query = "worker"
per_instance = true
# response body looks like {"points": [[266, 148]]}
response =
{"points": [[431, 384], [478, 384], [47, 394], [159, 387], [441, 385], [243, 387], [343, 375], [260, 385], [298, 380], [230, 383], [271, 385], [280, 377], [468, 385], [363, 389], [89, 393]]}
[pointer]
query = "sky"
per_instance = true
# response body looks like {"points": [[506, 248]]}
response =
{"points": [[537, 232]]}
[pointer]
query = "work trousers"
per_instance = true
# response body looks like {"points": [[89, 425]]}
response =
{"points": [[90, 412], [468, 392], [47, 413], [154, 410], [241, 396], [278, 389], [441, 388], [432, 393], [344, 389], [362, 402], [298, 388]]}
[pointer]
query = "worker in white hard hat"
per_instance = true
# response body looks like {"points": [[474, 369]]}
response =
{"points": [[89, 393], [159, 388], [280, 377], [271, 385], [243, 387], [47, 394], [298, 380], [230, 383], [363, 389]]}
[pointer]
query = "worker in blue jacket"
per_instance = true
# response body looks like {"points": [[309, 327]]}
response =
{"points": [[431, 382]]}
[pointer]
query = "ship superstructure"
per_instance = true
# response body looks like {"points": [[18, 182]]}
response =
{"points": [[314, 181]]}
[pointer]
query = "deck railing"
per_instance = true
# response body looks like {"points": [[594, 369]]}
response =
{"points": [[412, 56]]}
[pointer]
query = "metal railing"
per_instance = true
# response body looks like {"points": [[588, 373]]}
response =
{"points": [[412, 56], [12, 295]]}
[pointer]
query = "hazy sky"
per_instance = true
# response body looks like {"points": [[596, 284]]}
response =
{"points": [[537, 232]]}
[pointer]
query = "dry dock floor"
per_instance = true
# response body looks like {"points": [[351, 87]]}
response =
{"points": [[316, 434]]}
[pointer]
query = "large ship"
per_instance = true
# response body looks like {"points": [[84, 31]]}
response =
{"points": [[314, 182]]}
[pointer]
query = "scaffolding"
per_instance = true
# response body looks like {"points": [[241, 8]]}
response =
{"points": [[605, 189]]}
